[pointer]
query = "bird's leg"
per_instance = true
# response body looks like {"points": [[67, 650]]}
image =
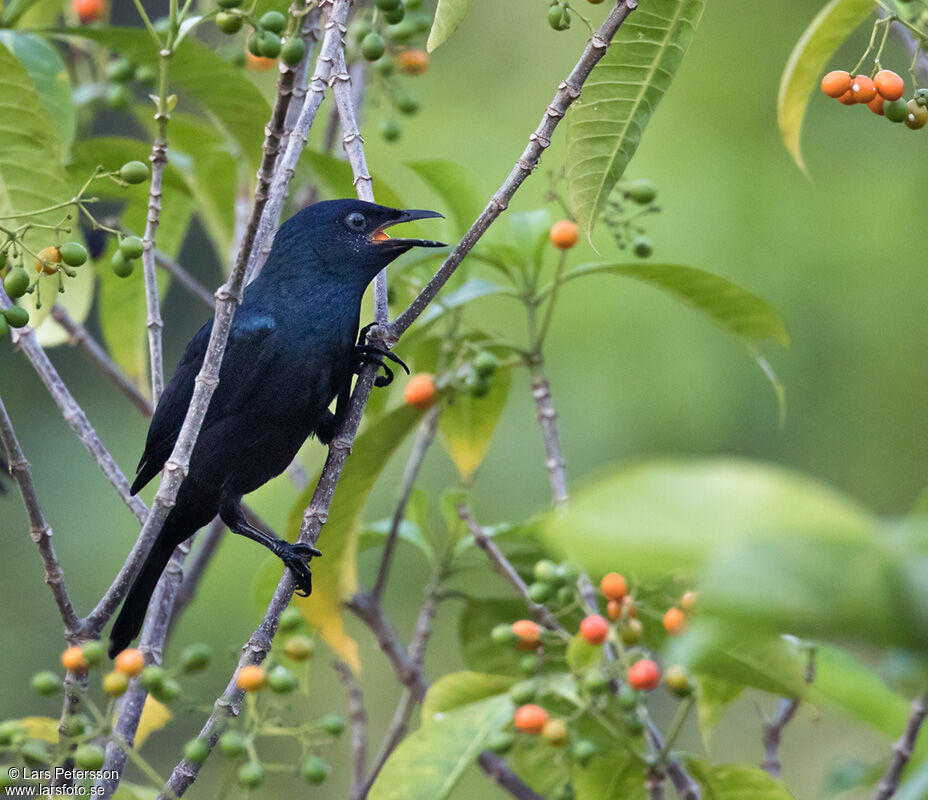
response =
{"points": [[370, 354], [295, 556], [330, 424]]}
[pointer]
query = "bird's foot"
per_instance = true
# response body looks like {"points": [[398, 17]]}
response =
{"points": [[296, 558], [369, 354]]}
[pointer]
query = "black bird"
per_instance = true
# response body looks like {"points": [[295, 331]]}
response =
{"points": [[291, 351]]}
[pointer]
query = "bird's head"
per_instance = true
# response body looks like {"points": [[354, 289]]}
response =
{"points": [[352, 233]]}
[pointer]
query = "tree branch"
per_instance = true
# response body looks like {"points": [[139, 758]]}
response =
{"points": [[547, 420], [903, 749], [153, 322], [773, 728], [39, 530], [358, 725]]}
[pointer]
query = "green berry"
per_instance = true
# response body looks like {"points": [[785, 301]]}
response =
{"points": [[333, 724], [254, 43], [480, 387], [402, 32], [503, 634], [559, 17], [121, 265], [299, 648], [634, 724], [270, 44], [895, 110], [565, 595], [89, 756], [120, 70], [564, 792], [584, 750], [290, 619], [196, 751], [387, 5], [595, 681], [540, 591], [293, 51], [93, 651], [523, 692], [359, 29], [10, 730], [228, 3], [232, 744], [485, 365], [315, 770], [168, 692], [46, 683], [16, 316], [229, 22], [544, 570], [16, 282], [118, 96], [195, 657], [273, 21], [500, 743], [73, 254], [131, 247], [530, 664], [423, 22], [390, 130], [134, 172], [251, 775], [384, 66], [395, 15], [641, 191], [282, 680], [411, 5], [373, 46], [628, 698], [76, 725], [146, 74], [4, 327], [642, 246], [152, 677], [406, 103]]}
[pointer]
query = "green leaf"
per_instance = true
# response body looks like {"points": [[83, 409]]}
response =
{"points": [[337, 179], [661, 515], [429, 763], [735, 309], [582, 655], [605, 125], [50, 76], [472, 289], [339, 579], [530, 233], [713, 696], [460, 689], [617, 776], [833, 24], [448, 15], [736, 782], [30, 175], [467, 423], [453, 184], [374, 534], [915, 787], [200, 73]]}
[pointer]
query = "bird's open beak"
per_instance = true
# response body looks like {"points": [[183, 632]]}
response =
{"points": [[380, 237]]}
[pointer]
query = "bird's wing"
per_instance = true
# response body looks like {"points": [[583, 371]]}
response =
{"points": [[243, 357]]}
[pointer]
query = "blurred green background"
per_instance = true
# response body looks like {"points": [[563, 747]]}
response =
{"points": [[633, 374]]}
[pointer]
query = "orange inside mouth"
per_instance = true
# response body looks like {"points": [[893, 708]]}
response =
{"points": [[380, 236]]}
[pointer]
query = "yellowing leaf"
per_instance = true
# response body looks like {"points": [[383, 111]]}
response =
{"points": [[832, 25], [155, 715], [43, 728]]}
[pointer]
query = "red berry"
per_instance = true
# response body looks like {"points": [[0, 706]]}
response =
{"points": [[644, 675], [594, 629], [529, 633], [530, 718]]}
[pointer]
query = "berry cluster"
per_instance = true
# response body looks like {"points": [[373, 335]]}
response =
{"points": [[882, 94], [473, 376], [385, 39], [559, 14], [274, 35], [119, 73], [617, 679]]}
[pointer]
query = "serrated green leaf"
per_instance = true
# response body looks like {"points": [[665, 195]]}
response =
{"points": [[467, 424], [604, 127], [429, 763], [460, 689], [833, 24], [453, 184], [736, 782], [448, 15]]}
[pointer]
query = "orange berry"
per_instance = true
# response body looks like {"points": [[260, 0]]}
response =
{"points": [[47, 257], [889, 84], [420, 391], [129, 662], [88, 10], [847, 99], [251, 678], [876, 105], [258, 63], [644, 675], [413, 62], [594, 629], [529, 633], [614, 609], [73, 660], [530, 718], [688, 602], [614, 586], [836, 83], [863, 89], [564, 234], [674, 621]]}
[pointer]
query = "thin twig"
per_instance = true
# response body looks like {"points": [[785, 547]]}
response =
{"points": [[358, 725], [73, 414], [185, 279], [903, 749], [153, 321], [547, 420], [507, 570], [79, 336], [654, 783], [773, 728], [424, 438], [39, 530]]}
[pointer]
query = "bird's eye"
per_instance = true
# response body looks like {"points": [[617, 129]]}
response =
{"points": [[356, 221]]}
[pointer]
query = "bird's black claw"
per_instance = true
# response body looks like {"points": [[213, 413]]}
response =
{"points": [[295, 557], [305, 550], [369, 354]]}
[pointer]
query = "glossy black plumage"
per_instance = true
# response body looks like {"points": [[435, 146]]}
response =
{"points": [[290, 352]]}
